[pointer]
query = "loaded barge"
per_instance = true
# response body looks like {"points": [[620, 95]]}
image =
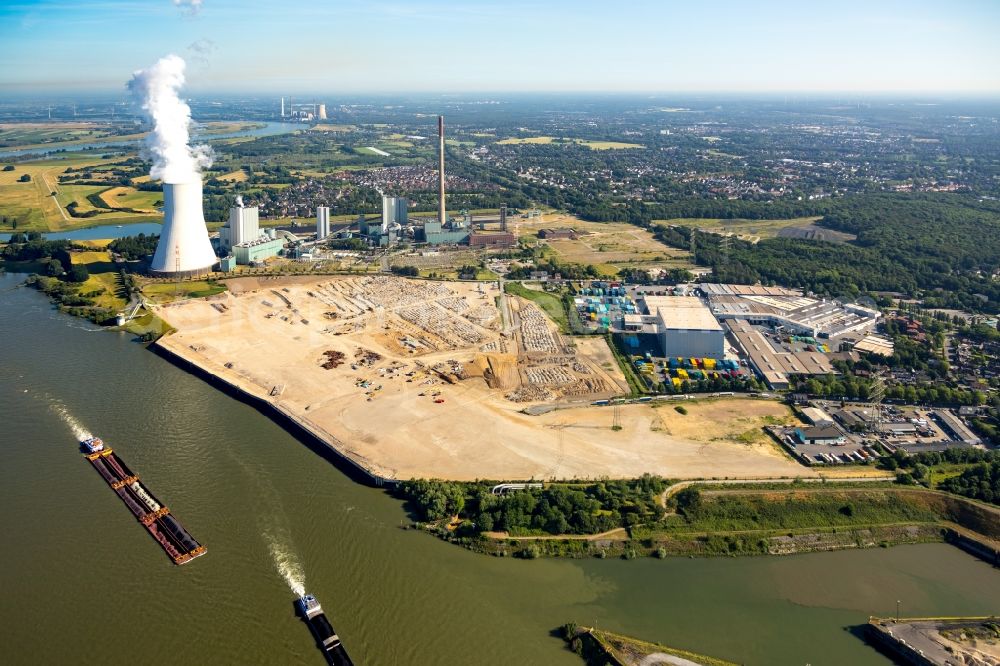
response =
{"points": [[156, 518], [326, 638]]}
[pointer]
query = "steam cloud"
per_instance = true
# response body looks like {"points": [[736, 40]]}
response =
{"points": [[200, 50], [156, 88], [189, 6]]}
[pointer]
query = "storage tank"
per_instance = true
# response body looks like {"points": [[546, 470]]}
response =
{"points": [[184, 248]]}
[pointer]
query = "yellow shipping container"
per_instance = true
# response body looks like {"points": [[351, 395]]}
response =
{"points": [[710, 364]]}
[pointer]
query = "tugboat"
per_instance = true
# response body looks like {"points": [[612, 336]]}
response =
{"points": [[312, 614], [92, 445]]}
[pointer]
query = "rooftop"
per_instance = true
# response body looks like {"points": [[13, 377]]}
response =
{"points": [[682, 313]]}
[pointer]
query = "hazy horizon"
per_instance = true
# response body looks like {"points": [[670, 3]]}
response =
{"points": [[351, 47]]}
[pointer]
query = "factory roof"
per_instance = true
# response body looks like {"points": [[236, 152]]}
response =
{"points": [[788, 308], [682, 313], [746, 290], [775, 366], [875, 344], [957, 427], [821, 432], [260, 240], [815, 415]]}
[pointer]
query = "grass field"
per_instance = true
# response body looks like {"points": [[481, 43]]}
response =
{"points": [[752, 230], [593, 145], [103, 275], [165, 292], [129, 197], [549, 302], [608, 245]]}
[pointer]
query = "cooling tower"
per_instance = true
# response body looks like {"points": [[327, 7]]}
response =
{"points": [[184, 247]]}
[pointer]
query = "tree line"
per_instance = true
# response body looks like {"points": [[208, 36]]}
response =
{"points": [[554, 509]]}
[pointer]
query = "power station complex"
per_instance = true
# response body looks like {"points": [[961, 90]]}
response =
{"points": [[185, 248]]}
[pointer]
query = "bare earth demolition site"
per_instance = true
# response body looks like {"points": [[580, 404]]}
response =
{"points": [[415, 378]]}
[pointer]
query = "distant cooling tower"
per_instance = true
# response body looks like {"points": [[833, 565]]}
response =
{"points": [[184, 247]]}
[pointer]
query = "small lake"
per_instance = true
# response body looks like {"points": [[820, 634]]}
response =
{"points": [[101, 232]]}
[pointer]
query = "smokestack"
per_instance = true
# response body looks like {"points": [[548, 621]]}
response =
{"points": [[441, 213], [183, 247]]}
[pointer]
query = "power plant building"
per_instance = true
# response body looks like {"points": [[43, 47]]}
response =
{"points": [[322, 222], [184, 247], [395, 210], [243, 226], [259, 249], [452, 234], [686, 327]]}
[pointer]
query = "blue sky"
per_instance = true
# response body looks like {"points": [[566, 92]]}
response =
{"points": [[330, 46]]}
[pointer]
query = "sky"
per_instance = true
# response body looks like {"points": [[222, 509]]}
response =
{"points": [[358, 46]]}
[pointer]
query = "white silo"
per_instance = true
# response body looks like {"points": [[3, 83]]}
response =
{"points": [[184, 247], [322, 222]]}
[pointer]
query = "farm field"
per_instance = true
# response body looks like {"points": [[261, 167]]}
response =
{"points": [[593, 145], [18, 136], [21, 136], [34, 207], [237, 176]]}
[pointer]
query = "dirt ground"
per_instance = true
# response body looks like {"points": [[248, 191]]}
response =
{"points": [[602, 242], [404, 410]]}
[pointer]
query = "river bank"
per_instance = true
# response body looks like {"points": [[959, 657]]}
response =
{"points": [[597, 646], [736, 521]]}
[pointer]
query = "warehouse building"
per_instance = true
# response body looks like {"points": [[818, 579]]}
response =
{"points": [[503, 239], [557, 234], [686, 327], [827, 434], [772, 365]]}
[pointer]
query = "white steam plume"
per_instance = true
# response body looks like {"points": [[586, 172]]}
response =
{"points": [[156, 88]]}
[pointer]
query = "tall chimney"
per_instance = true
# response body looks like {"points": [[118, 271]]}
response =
{"points": [[441, 213]]}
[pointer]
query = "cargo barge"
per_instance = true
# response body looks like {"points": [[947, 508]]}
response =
{"points": [[179, 545], [326, 638]]}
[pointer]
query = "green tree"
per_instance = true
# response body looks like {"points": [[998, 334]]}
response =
{"points": [[688, 502], [78, 273]]}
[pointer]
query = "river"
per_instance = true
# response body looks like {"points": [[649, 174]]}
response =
{"points": [[84, 583]]}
